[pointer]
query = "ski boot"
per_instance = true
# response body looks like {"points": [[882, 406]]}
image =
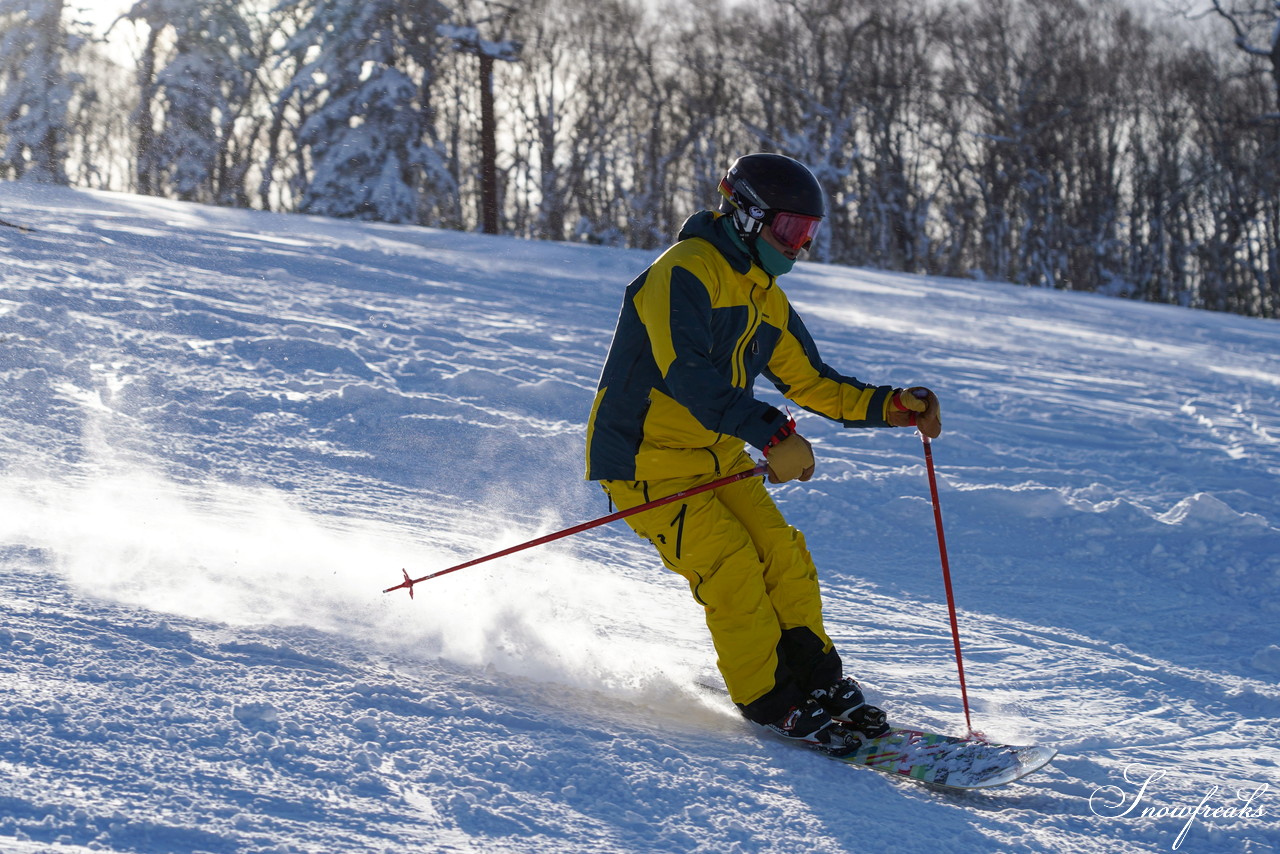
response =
{"points": [[812, 726], [846, 705]]}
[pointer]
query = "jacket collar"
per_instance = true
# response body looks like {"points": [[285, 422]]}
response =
{"points": [[714, 228]]}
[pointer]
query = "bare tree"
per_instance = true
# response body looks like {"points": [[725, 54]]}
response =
{"points": [[808, 80], [1256, 24], [541, 99], [99, 150], [471, 39], [286, 164]]}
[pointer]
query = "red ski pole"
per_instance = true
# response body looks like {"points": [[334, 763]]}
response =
{"points": [[408, 582], [946, 578]]}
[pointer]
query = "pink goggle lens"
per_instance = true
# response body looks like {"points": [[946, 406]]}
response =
{"points": [[794, 230]]}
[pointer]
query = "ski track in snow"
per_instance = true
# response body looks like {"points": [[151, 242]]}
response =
{"points": [[224, 432]]}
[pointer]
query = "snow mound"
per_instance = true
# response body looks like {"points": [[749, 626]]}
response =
{"points": [[1203, 510]]}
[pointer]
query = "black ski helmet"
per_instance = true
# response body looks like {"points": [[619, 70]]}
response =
{"points": [[758, 186]]}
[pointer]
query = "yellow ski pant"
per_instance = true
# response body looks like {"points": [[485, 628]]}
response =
{"points": [[754, 577]]}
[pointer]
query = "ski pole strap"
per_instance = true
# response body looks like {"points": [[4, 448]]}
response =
{"points": [[784, 431], [896, 399]]}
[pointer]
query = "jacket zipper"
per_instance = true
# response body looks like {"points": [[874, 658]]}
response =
{"points": [[740, 351]]}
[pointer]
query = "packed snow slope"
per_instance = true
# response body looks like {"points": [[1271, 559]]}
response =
{"points": [[224, 432]]}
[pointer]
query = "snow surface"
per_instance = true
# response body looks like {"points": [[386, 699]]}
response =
{"points": [[223, 432]]}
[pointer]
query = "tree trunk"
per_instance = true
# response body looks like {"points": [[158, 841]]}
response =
{"points": [[488, 148]]}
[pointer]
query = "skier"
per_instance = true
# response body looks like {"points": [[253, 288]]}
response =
{"points": [[675, 409]]}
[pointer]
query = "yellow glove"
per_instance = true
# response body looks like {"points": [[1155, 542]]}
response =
{"points": [[916, 407], [789, 455]]}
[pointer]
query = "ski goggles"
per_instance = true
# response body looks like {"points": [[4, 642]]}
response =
{"points": [[793, 230]]}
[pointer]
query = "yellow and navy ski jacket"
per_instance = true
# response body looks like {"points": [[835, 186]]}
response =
{"points": [[695, 331]]}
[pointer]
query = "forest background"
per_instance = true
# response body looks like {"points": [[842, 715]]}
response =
{"points": [[1128, 148]]}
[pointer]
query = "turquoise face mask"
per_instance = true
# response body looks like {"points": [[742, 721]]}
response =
{"points": [[773, 261]]}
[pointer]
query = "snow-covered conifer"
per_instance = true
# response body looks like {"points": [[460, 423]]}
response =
{"points": [[368, 129], [200, 91], [35, 89]]}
